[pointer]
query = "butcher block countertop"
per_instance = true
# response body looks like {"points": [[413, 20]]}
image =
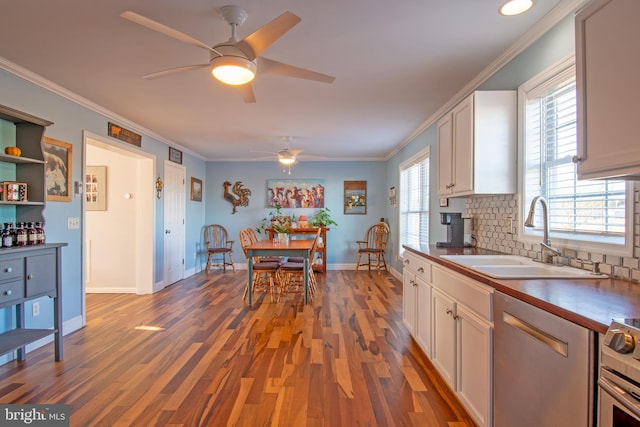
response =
{"points": [[591, 303]]}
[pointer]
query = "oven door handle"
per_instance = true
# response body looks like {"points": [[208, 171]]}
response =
{"points": [[621, 396]]}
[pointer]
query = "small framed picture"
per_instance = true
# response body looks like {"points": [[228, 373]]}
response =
{"points": [[196, 189], [444, 203], [175, 155], [95, 188]]}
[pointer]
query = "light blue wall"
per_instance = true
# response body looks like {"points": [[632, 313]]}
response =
{"points": [[70, 120], [341, 240], [546, 51]]}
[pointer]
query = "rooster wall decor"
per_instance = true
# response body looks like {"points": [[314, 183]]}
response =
{"points": [[241, 197]]}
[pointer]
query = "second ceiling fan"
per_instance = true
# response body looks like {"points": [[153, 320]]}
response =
{"points": [[236, 62]]}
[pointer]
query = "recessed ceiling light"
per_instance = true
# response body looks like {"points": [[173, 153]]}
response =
{"points": [[515, 7]]}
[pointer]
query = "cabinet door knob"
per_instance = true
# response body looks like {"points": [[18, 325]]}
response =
{"points": [[421, 270], [8, 292], [8, 270], [576, 159], [406, 262], [448, 311], [29, 276]]}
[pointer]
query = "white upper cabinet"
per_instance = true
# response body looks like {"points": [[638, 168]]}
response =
{"points": [[607, 62], [477, 146]]}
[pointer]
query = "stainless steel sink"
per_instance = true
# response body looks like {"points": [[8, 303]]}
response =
{"points": [[518, 267]]}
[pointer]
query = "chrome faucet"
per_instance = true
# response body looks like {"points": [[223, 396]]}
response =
{"points": [[547, 251]]}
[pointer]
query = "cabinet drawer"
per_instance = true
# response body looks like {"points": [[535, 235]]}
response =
{"points": [[419, 266], [11, 291], [11, 268], [41, 274], [477, 296]]}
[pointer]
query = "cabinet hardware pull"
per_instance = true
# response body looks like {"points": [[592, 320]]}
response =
{"points": [[30, 276], [576, 159], [8, 270], [421, 270], [406, 261], [448, 311], [9, 292], [456, 317]]}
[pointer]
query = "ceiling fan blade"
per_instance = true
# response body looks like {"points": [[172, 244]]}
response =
{"points": [[246, 91], [295, 152], [167, 31], [173, 71], [269, 66], [264, 37]]}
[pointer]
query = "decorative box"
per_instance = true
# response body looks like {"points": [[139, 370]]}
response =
{"points": [[14, 191]]}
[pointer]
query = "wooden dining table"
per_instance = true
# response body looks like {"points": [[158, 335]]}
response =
{"points": [[297, 248]]}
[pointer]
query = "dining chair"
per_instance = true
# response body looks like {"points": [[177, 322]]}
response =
{"points": [[265, 271], [371, 250], [292, 273], [219, 247]]}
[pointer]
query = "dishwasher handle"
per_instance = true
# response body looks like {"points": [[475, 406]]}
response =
{"points": [[549, 340]]}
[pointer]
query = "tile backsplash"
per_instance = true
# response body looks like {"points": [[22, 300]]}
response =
{"points": [[495, 226]]}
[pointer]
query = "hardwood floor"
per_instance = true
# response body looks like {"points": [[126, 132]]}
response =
{"points": [[345, 360]]}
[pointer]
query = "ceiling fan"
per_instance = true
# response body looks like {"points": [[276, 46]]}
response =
{"points": [[287, 157], [236, 62]]}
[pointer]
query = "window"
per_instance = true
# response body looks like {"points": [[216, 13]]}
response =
{"points": [[414, 201], [580, 212]]}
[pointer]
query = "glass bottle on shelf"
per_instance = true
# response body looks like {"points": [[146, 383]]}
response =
{"points": [[40, 231], [32, 234], [7, 235], [21, 235]]}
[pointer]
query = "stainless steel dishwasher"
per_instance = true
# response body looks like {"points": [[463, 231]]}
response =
{"points": [[544, 368]]}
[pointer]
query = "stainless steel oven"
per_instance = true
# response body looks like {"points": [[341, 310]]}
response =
{"points": [[619, 381]]}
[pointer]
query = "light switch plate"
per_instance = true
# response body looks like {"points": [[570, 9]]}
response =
{"points": [[73, 223]]}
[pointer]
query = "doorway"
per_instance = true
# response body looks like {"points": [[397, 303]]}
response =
{"points": [[118, 250]]}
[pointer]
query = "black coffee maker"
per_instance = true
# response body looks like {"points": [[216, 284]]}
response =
{"points": [[455, 230]]}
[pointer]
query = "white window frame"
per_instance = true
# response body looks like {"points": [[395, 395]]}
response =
{"points": [[586, 243], [419, 157]]}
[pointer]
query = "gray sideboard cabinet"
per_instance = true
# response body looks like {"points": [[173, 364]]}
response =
{"points": [[26, 273]]}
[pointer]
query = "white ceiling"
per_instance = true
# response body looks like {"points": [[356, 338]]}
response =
{"points": [[396, 64]]}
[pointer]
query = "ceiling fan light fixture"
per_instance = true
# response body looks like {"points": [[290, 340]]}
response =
{"points": [[515, 7], [286, 160], [233, 70]]}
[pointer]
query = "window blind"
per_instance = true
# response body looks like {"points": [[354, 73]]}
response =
{"points": [[414, 203], [575, 207]]}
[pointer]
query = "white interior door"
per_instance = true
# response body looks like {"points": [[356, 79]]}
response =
{"points": [[174, 194]]}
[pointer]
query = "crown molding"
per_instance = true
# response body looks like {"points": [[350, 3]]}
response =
{"points": [[54, 88]]}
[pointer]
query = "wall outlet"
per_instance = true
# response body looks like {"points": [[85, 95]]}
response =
{"points": [[73, 223], [35, 309]]}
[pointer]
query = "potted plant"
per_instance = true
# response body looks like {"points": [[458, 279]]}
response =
{"points": [[270, 220], [282, 230], [322, 218]]}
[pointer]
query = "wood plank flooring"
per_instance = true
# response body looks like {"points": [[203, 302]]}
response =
{"points": [[345, 360]]}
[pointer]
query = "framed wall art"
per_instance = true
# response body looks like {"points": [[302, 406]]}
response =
{"points": [[95, 188], [295, 193], [355, 197], [175, 155], [58, 161], [196, 189]]}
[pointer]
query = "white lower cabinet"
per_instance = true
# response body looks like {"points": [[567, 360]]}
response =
{"points": [[444, 336], [416, 277], [474, 365], [460, 332]]}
